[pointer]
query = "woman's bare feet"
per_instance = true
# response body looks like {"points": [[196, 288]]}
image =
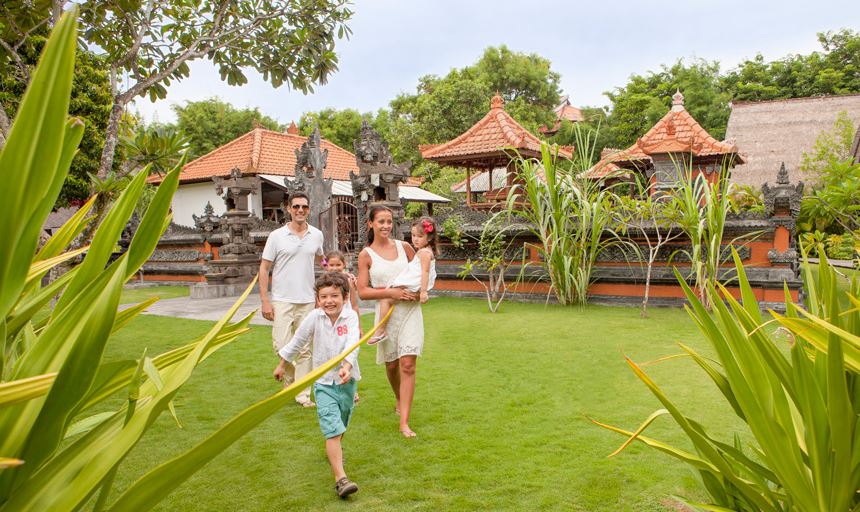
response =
{"points": [[407, 432]]}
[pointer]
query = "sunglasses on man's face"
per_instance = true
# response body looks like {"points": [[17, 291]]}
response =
{"points": [[300, 207]]}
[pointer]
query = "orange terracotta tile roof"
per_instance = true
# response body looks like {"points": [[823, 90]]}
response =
{"points": [[676, 132], [569, 112], [491, 135], [263, 151]]}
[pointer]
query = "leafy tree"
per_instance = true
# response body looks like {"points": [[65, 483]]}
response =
{"points": [[148, 45], [90, 102], [340, 127], [444, 107], [638, 105], [835, 71], [211, 123]]}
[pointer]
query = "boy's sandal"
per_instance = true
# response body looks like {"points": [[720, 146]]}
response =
{"points": [[306, 403], [376, 339], [345, 487]]}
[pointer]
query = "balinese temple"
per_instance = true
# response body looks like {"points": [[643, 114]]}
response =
{"points": [[676, 143], [485, 150], [267, 156], [563, 112]]}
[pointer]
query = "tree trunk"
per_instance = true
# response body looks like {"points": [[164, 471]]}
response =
{"points": [[5, 125], [111, 137], [647, 285]]}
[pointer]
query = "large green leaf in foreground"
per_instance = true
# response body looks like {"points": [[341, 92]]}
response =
{"points": [[55, 454], [800, 405]]}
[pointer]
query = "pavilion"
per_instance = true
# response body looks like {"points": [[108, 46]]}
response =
{"points": [[490, 144], [676, 143]]}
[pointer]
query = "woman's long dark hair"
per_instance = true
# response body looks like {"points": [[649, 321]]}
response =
{"points": [[371, 216]]}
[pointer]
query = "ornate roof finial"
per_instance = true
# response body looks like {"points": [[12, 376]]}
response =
{"points": [[782, 175], [677, 101], [293, 129], [497, 101]]}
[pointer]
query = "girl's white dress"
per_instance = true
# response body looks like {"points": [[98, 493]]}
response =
{"points": [[406, 326], [410, 278]]}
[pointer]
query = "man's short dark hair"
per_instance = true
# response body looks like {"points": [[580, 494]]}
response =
{"points": [[296, 195], [332, 279]]}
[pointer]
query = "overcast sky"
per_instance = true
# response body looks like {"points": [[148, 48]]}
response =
{"points": [[595, 46]]}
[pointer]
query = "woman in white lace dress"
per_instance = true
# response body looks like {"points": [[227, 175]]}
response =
{"points": [[378, 264]]}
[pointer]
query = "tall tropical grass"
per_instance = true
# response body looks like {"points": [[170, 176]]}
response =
{"points": [[704, 207], [55, 453], [796, 388], [569, 214]]}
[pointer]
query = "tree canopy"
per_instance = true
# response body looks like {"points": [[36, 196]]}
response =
{"points": [[211, 123], [146, 46], [91, 102]]}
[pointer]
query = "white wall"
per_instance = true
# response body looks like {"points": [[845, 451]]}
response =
{"points": [[191, 198]]}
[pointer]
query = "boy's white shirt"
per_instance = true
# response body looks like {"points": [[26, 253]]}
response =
{"points": [[329, 340]]}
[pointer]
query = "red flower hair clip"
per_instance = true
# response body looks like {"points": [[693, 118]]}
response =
{"points": [[428, 226]]}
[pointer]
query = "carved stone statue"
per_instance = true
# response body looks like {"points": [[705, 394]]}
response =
{"points": [[378, 179], [238, 258], [782, 206], [208, 222], [311, 161], [783, 199]]}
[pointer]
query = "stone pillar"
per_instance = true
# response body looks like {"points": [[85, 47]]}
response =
{"points": [[378, 180], [239, 258], [782, 206]]}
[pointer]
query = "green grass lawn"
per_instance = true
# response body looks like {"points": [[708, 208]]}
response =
{"points": [[500, 412], [134, 295]]}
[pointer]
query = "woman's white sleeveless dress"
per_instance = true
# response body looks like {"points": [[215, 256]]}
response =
{"points": [[406, 325]]}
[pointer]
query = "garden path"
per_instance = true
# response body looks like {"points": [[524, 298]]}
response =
{"points": [[210, 309]]}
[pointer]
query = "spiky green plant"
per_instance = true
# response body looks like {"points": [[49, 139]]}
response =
{"points": [[800, 405], [55, 454], [704, 208], [569, 214]]}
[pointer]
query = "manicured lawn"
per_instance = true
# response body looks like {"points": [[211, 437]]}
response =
{"points": [[500, 411], [132, 295]]}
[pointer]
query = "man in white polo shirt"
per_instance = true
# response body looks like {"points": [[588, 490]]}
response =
{"points": [[290, 254]]}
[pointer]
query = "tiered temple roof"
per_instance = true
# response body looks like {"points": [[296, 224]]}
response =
{"points": [[676, 132], [563, 112], [488, 139]]}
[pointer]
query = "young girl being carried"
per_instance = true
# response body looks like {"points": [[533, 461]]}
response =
{"points": [[419, 276]]}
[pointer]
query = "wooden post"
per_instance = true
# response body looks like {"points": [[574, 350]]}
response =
{"points": [[468, 186]]}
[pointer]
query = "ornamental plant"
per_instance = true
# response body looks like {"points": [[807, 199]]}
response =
{"points": [[796, 389], [55, 453], [569, 214]]}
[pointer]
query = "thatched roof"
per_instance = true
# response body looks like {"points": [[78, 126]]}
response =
{"points": [[855, 148], [768, 133]]}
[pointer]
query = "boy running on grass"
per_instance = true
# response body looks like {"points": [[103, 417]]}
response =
{"points": [[332, 329]]}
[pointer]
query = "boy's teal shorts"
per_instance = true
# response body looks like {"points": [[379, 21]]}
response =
{"points": [[334, 406]]}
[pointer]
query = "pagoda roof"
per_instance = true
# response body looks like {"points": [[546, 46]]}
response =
{"points": [[493, 135], [678, 132], [675, 132]]}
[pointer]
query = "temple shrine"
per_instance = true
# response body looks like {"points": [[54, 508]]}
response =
{"points": [[486, 149], [676, 144]]}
